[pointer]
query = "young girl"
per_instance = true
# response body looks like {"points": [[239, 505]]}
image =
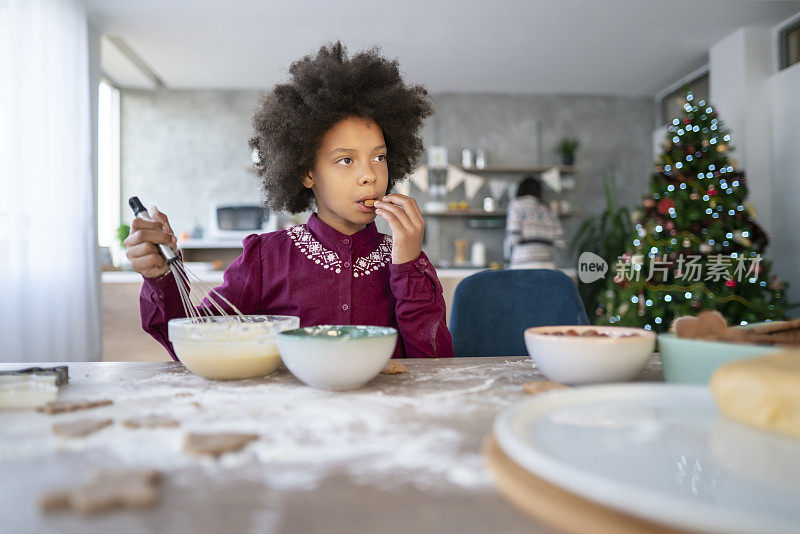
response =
{"points": [[340, 134]]}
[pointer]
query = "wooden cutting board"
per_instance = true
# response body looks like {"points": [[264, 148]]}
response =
{"points": [[557, 507]]}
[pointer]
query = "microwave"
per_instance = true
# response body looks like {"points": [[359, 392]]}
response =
{"points": [[237, 221]]}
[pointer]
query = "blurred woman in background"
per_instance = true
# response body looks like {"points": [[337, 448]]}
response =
{"points": [[532, 229]]}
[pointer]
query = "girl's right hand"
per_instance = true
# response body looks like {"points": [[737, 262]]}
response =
{"points": [[141, 245]]}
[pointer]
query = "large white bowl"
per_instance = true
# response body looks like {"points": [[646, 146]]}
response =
{"points": [[229, 348], [337, 358], [586, 360]]}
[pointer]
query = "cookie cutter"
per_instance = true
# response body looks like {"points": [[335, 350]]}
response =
{"points": [[61, 373]]}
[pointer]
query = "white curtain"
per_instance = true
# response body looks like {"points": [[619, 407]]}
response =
{"points": [[49, 280]]}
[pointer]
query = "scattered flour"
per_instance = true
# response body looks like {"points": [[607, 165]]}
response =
{"points": [[421, 428]]}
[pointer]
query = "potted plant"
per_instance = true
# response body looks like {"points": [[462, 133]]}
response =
{"points": [[567, 148], [118, 257], [607, 234]]}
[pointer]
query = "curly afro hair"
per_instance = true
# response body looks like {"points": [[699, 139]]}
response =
{"points": [[324, 89]]}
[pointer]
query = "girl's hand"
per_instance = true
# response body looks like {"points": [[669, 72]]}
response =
{"points": [[407, 224], [140, 245]]}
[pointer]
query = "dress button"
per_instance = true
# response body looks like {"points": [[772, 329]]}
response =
{"points": [[346, 241], [347, 265], [423, 262], [345, 307]]}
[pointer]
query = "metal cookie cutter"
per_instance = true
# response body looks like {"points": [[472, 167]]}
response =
{"points": [[61, 373]]}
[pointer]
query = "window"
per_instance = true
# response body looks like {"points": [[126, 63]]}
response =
{"points": [[789, 45], [108, 182], [672, 103]]}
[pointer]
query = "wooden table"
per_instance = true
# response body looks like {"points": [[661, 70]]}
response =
{"points": [[401, 455]]}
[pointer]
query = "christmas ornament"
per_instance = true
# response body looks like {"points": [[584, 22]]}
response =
{"points": [[664, 205]]}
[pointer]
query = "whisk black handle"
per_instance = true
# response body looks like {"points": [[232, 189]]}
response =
{"points": [[137, 206], [140, 211]]}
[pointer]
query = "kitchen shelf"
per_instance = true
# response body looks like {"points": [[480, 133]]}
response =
{"points": [[512, 169], [212, 243], [481, 213], [465, 213]]}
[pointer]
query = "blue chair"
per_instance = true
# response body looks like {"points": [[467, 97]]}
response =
{"points": [[492, 309]]}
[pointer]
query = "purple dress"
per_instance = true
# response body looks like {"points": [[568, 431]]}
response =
{"points": [[324, 277]]}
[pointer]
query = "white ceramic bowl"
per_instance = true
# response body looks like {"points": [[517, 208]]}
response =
{"points": [[586, 360], [229, 348], [338, 358]]}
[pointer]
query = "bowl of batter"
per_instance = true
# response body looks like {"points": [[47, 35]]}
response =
{"points": [[231, 347]]}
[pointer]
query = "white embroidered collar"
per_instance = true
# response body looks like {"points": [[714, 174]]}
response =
{"points": [[329, 259]]}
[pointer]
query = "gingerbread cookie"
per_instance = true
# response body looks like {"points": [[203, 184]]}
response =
{"points": [[393, 368], [71, 406], [707, 325], [216, 444], [150, 421], [105, 490], [80, 428], [541, 386]]}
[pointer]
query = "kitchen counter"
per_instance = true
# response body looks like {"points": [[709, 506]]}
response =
{"points": [[208, 275], [401, 455]]}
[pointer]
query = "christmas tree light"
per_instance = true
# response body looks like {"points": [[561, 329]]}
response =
{"points": [[696, 208]]}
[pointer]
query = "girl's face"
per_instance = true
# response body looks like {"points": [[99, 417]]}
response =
{"points": [[350, 168]]}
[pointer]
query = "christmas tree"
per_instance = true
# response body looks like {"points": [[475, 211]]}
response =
{"points": [[696, 244]]}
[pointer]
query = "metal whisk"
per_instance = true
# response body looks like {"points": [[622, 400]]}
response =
{"points": [[200, 301]]}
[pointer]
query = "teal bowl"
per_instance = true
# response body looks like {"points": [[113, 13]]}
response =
{"points": [[693, 361]]}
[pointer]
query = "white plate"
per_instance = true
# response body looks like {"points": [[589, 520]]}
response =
{"points": [[661, 452]]}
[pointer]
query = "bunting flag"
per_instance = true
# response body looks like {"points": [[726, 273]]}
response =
{"points": [[454, 177], [472, 184], [552, 179], [420, 177]]}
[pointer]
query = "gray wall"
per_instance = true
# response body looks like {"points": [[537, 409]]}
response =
{"points": [[615, 132], [185, 150]]}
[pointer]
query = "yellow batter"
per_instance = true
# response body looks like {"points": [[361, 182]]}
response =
{"points": [[228, 361]]}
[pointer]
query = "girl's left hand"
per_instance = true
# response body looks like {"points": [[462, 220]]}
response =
{"points": [[408, 226]]}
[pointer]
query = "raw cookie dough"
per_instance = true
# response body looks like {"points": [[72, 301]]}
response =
{"points": [[216, 444], [763, 391], [80, 428], [106, 490], [393, 368], [150, 421], [534, 388], [71, 406]]}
